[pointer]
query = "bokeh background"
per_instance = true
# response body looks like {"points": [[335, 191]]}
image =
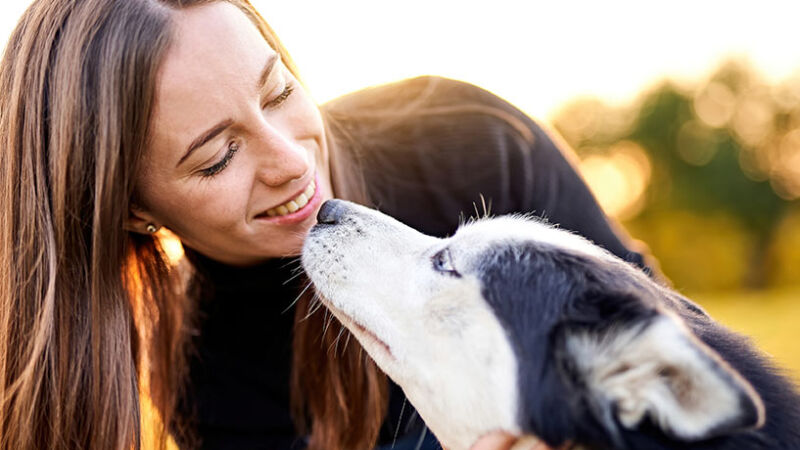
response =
{"points": [[685, 116]]}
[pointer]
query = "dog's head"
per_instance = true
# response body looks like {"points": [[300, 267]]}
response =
{"points": [[513, 324]]}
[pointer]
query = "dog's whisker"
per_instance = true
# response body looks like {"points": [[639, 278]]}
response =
{"points": [[299, 265], [411, 419], [295, 271], [330, 319], [317, 305], [314, 310], [298, 272], [308, 315], [422, 437], [328, 322], [325, 321], [346, 342], [335, 344], [476, 216], [325, 325], [295, 260], [296, 299], [316, 301], [298, 269], [313, 306], [487, 210], [399, 421], [342, 331]]}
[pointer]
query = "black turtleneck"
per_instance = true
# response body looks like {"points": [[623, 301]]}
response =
{"points": [[426, 170], [238, 389]]}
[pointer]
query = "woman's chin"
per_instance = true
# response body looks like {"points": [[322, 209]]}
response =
{"points": [[289, 245]]}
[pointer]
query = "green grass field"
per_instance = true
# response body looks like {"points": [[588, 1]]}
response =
{"points": [[771, 318]]}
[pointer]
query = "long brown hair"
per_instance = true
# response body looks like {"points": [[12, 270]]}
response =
{"points": [[90, 313]]}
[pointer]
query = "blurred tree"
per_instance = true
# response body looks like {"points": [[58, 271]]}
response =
{"points": [[724, 170]]}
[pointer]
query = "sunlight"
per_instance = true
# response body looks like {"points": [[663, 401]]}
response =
{"points": [[715, 104], [538, 56], [752, 121], [172, 246], [619, 179]]}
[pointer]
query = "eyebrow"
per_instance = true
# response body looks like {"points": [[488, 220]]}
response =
{"points": [[265, 73], [214, 131]]}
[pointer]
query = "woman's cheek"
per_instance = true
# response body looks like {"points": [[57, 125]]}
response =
{"points": [[227, 205], [305, 115], [216, 202]]}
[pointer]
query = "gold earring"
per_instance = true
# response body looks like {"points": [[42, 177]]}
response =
{"points": [[151, 228]]}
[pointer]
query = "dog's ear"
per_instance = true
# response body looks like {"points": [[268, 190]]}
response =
{"points": [[648, 364]]}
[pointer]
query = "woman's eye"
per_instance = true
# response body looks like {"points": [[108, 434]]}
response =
{"points": [[282, 97], [233, 147], [442, 262]]}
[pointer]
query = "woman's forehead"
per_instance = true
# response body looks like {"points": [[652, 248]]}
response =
{"points": [[212, 43], [215, 59]]}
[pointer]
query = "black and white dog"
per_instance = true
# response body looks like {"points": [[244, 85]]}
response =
{"points": [[512, 324]]}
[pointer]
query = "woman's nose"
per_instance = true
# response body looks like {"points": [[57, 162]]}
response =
{"points": [[280, 158]]}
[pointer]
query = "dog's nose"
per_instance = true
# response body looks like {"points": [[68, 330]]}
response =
{"points": [[331, 212]]}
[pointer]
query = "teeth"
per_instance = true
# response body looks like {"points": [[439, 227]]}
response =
{"points": [[295, 203], [301, 200]]}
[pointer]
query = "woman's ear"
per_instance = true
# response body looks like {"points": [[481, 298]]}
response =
{"points": [[140, 221]]}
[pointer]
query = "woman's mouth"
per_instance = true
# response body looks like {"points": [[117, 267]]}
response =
{"points": [[297, 209]]}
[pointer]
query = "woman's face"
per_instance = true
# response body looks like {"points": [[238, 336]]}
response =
{"points": [[237, 165]]}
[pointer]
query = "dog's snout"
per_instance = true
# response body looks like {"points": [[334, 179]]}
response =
{"points": [[331, 212]]}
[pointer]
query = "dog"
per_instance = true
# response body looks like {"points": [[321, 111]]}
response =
{"points": [[513, 324]]}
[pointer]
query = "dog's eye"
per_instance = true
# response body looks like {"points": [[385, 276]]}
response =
{"points": [[443, 263]]}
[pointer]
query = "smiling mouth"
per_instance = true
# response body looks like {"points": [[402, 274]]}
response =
{"points": [[296, 210], [294, 204]]}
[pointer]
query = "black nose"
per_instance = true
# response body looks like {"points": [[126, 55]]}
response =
{"points": [[331, 212]]}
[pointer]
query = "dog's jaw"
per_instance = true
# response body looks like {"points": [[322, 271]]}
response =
{"points": [[469, 388], [376, 347]]}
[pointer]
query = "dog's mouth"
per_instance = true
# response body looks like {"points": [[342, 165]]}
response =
{"points": [[361, 332]]}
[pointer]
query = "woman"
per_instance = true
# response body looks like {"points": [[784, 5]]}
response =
{"points": [[119, 118]]}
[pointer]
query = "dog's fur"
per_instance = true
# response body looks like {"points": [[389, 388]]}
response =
{"points": [[512, 324]]}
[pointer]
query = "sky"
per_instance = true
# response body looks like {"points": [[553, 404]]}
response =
{"points": [[538, 55]]}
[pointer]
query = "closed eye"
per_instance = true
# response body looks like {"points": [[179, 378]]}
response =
{"points": [[282, 97], [233, 147]]}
